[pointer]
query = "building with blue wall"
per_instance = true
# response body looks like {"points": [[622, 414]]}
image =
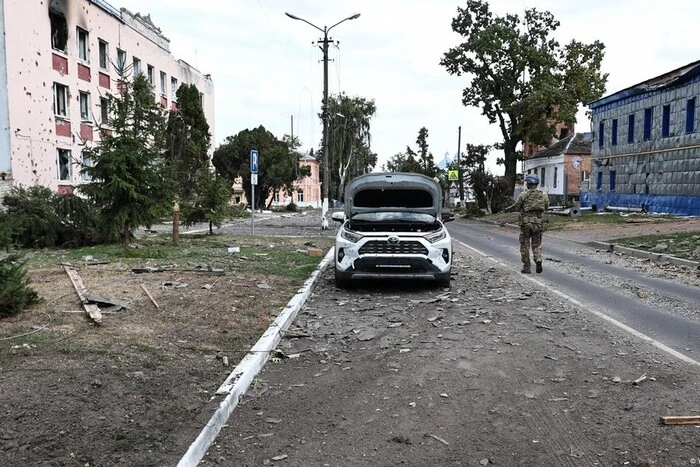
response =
{"points": [[646, 146]]}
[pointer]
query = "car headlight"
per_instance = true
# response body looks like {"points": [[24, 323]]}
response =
{"points": [[436, 236], [351, 236]]}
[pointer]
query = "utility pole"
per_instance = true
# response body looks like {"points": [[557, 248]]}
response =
{"points": [[324, 47], [459, 168]]}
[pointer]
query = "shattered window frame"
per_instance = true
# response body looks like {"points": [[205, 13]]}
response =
{"points": [[63, 164], [104, 55], [60, 100], [83, 39], [59, 31], [84, 98]]}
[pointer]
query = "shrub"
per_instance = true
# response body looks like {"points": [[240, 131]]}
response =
{"points": [[36, 217], [15, 293], [292, 207]]}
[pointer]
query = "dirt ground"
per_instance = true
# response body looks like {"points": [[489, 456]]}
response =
{"points": [[137, 390]]}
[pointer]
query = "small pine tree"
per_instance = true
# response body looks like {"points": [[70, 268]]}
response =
{"points": [[211, 203], [15, 293], [130, 182]]}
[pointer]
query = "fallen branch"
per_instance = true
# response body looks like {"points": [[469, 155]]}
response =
{"points": [[143, 286]]}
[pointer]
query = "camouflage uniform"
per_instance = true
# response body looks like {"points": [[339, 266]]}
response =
{"points": [[531, 204]]}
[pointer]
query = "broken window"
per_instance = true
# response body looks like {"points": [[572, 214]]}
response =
{"points": [[84, 106], [87, 162], [83, 52], [150, 75], [173, 89], [63, 163], [163, 84], [59, 31], [121, 62], [104, 110], [104, 55], [60, 100], [136, 68]]}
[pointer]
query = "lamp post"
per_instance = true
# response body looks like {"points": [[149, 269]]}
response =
{"points": [[324, 47]]}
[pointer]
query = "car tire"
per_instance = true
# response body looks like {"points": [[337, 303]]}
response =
{"points": [[341, 282], [445, 282]]}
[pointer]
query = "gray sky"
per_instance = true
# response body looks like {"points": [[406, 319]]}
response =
{"points": [[266, 70]]}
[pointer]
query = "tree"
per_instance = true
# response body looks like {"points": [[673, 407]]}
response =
{"points": [[520, 77], [211, 203], [474, 168], [130, 181], [349, 140], [426, 160], [187, 149], [278, 166]]}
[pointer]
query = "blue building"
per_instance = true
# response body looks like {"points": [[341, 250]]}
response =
{"points": [[646, 147]]}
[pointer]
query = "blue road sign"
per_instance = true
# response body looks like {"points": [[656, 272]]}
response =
{"points": [[253, 161]]}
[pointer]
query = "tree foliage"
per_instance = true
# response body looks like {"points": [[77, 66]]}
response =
{"points": [[349, 140], [16, 295], [521, 78], [130, 181], [211, 203], [187, 142], [278, 166], [421, 161]]}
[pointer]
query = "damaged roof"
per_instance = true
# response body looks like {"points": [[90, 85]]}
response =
{"points": [[577, 143], [666, 80]]}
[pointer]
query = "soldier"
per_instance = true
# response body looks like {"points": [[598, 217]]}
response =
{"points": [[531, 204]]}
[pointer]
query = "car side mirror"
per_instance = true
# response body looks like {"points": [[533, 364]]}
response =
{"points": [[338, 216], [447, 217]]}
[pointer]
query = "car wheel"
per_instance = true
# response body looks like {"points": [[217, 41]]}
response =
{"points": [[445, 282], [341, 282]]}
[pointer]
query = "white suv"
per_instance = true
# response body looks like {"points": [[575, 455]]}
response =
{"points": [[392, 227]]}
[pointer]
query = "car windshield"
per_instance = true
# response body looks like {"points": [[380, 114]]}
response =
{"points": [[394, 216]]}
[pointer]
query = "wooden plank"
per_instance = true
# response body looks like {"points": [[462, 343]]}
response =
{"points": [[143, 286], [681, 420], [93, 311]]}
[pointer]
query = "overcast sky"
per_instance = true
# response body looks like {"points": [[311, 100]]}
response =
{"points": [[266, 70]]}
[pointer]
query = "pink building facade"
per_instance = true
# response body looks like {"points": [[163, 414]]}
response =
{"points": [[58, 61]]}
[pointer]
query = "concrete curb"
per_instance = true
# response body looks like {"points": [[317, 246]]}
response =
{"points": [[656, 257], [242, 376]]}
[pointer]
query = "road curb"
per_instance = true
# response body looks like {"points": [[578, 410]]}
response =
{"points": [[242, 376], [656, 257]]}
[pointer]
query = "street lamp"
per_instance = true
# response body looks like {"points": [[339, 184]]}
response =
{"points": [[325, 41]]}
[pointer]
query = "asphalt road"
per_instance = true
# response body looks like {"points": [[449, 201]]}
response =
{"points": [[594, 283]]}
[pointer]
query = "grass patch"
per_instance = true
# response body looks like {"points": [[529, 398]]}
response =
{"points": [[681, 245]]}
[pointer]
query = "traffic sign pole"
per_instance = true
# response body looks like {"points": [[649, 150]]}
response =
{"points": [[253, 182]]}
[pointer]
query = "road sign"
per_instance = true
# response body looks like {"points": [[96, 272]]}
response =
{"points": [[253, 179], [253, 161], [453, 175]]}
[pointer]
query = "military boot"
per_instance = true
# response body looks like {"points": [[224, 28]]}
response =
{"points": [[538, 266], [526, 269]]}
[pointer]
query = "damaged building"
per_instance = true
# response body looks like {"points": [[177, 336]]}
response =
{"points": [[646, 148], [58, 61]]}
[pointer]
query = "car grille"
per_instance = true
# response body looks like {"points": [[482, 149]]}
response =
{"points": [[382, 247]]}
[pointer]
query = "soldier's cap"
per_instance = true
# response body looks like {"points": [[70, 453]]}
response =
{"points": [[532, 179]]}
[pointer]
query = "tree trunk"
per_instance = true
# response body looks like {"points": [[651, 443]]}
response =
{"points": [[176, 223], [511, 163], [126, 229]]}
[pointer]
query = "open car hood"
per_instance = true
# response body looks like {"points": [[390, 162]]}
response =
{"points": [[392, 192]]}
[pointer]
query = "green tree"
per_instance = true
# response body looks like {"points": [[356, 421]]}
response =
{"points": [[425, 157], [211, 203], [277, 163], [187, 145], [349, 140], [130, 181], [474, 172], [520, 77]]}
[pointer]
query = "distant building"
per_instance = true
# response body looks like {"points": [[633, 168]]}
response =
{"points": [[58, 60], [562, 167], [646, 149]]}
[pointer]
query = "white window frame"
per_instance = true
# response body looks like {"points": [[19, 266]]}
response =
{"points": [[163, 84], [151, 75], [104, 110], [136, 68], [60, 100], [67, 175], [300, 196], [121, 60], [104, 55], [86, 162], [84, 100], [173, 88], [83, 39]]}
